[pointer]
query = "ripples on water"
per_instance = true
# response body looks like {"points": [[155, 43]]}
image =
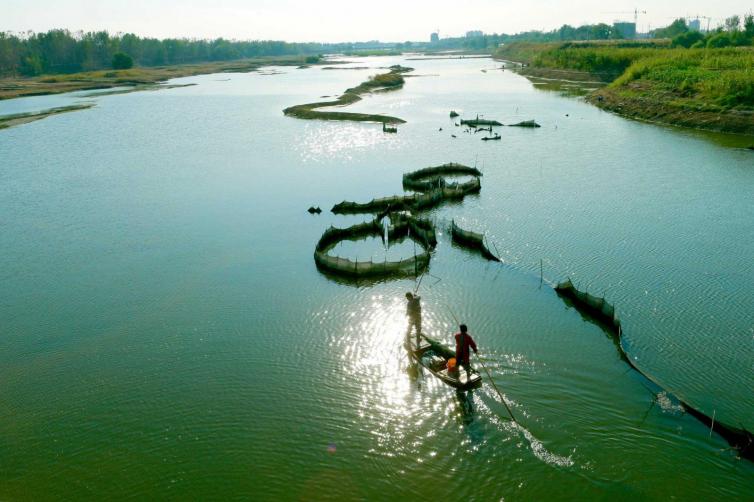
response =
{"points": [[167, 332]]}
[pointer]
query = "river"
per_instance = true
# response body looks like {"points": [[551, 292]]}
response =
{"points": [[166, 334]]}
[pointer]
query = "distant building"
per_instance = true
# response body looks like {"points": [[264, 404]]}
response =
{"points": [[695, 25], [474, 33], [434, 38], [626, 29]]}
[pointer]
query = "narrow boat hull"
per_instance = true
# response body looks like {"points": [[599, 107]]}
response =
{"points": [[434, 356]]}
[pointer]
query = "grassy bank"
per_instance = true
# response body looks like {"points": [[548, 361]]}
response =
{"points": [[389, 81], [14, 87], [702, 88]]}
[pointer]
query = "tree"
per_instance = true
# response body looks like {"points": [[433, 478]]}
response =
{"points": [[676, 28], [718, 41], [732, 23], [687, 39], [122, 61], [749, 25]]}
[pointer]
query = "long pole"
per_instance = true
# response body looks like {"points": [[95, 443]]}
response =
{"points": [[495, 386], [416, 289], [500, 394]]}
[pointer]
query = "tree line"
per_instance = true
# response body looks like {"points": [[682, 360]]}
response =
{"points": [[61, 51], [733, 33], [565, 33]]}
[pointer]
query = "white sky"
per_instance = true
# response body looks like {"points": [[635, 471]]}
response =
{"points": [[342, 20]]}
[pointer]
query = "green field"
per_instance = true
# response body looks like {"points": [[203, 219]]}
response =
{"points": [[704, 88]]}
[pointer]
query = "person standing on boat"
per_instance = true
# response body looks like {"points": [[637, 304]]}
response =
{"points": [[414, 314], [463, 342]]}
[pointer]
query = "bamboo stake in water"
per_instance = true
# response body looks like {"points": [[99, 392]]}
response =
{"points": [[541, 272]]}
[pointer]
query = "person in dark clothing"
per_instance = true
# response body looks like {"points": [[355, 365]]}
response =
{"points": [[463, 342], [414, 314]]}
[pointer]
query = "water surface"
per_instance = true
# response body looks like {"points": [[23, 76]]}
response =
{"points": [[165, 331]]}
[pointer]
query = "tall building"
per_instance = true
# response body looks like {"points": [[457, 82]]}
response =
{"points": [[434, 38], [695, 25], [626, 29]]}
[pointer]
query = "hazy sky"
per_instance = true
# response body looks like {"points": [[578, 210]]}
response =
{"points": [[342, 20]]}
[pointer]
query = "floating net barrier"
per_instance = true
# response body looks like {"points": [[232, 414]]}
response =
{"points": [[471, 240], [421, 231], [417, 202], [604, 312], [596, 306], [431, 178]]}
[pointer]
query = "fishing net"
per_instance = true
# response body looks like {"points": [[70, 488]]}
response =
{"points": [[432, 178], [594, 305], [421, 231], [471, 240]]}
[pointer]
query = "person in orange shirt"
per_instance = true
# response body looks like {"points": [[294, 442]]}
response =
{"points": [[463, 342]]}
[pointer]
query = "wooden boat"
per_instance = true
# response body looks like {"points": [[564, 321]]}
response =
{"points": [[434, 356], [489, 138], [388, 129]]}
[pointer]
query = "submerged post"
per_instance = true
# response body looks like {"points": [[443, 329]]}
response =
{"points": [[541, 272]]}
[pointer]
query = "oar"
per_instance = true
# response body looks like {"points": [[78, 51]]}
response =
{"points": [[500, 394]]}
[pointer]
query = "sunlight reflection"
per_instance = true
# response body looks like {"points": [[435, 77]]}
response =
{"points": [[323, 139]]}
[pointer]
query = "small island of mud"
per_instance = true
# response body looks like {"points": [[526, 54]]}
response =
{"points": [[383, 82], [16, 119]]}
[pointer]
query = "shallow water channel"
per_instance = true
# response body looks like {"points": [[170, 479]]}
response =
{"points": [[165, 331]]}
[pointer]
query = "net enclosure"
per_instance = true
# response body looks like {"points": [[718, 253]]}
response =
{"points": [[415, 202], [400, 228], [596, 306], [432, 178], [471, 240]]}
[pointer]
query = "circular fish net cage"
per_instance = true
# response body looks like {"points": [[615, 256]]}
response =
{"points": [[401, 227]]}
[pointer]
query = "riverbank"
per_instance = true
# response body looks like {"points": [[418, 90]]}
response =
{"points": [[710, 89], [16, 87]]}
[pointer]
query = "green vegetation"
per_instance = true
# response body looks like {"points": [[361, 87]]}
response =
{"points": [[714, 79], [603, 61], [60, 51], [675, 28], [13, 87], [706, 88], [688, 39], [122, 61], [383, 82]]}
